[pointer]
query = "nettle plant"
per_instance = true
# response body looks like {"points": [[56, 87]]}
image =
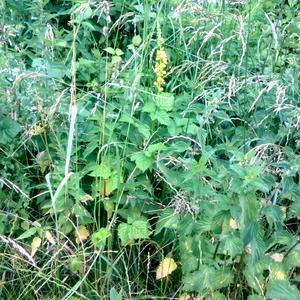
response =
{"points": [[159, 135]]}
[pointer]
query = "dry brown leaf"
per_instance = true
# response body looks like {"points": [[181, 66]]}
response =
{"points": [[165, 268]]}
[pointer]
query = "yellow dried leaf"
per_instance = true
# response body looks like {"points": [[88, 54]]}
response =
{"points": [[35, 244], [165, 268], [49, 237], [85, 198], [82, 234], [233, 224]]}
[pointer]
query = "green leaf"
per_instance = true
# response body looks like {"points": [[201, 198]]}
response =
{"points": [[28, 233], [167, 219], [114, 295], [84, 217], [102, 170], [165, 101], [136, 40], [130, 232], [99, 238], [283, 290], [110, 50], [8, 129], [119, 52], [142, 161], [75, 265], [233, 244], [255, 297], [207, 279]]}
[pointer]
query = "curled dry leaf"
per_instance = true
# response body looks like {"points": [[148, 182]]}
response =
{"points": [[165, 268]]}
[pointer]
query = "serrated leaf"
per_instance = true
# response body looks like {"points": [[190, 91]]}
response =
{"points": [[165, 101], [130, 232], [207, 279], [8, 129], [282, 289], [142, 161], [99, 238], [102, 170], [75, 265], [165, 268], [35, 244]]}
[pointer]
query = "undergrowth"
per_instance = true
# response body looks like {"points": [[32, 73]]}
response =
{"points": [[149, 149]]}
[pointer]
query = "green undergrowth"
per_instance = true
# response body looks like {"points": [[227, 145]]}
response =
{"points": [[149, 149]]}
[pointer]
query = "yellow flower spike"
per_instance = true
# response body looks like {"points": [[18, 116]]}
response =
{"points": [[161, 60]]}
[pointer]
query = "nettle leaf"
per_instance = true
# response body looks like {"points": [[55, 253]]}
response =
{"points": [[282, 289], [9, 129], [207, 279], [142, 161], [99, 237], [102, 170], [83, 12], [233, 244], [167, 219], [130, 232], [161, 116], [164, 101]]}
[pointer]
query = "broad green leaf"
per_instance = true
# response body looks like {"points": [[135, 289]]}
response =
{"points": [[102, 170], [99, 237], [75, 265], [9, 129], [165, 101], [142, 161], [28, 233], [282, 289], [167, 219], [119, 52], [110, 50], [207, 279], [130, 232], [233, 244]]}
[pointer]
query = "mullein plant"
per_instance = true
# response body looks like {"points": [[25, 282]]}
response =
{"points": [[161, 62]]}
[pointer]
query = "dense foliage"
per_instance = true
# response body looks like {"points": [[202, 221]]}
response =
{"points": [[149, 149]]}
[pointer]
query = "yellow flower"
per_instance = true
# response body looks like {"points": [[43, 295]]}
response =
{"points": [[160, 68], [161, 62]]}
